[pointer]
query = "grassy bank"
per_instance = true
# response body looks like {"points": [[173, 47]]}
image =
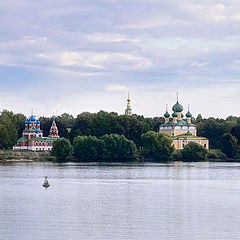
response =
{"points": [[23, 155]]}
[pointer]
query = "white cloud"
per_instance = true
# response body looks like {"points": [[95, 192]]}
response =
{"points": [[199, 64], [117, 88], [109, 37], [104, 60], [75, 43], [220, 12], [34, 39]]}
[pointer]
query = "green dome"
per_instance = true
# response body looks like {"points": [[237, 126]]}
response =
{"points": [[166, 115], [182, 115], [188, 115], [177, 107], [174, 114]]}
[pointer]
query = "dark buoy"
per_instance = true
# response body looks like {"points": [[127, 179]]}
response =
{"points": [[46, 184]]}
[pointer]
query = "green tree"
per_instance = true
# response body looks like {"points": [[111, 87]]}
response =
{"points": [[199, 118], [8, 129], [62, 149], [46, 123], [83, 125], [118, 148], [18, 121], [193, 152], [236, 132], [215, 153], [88, 148], [157, 146], [229, 145], [213, 129], [64, 123], [154, 123]]}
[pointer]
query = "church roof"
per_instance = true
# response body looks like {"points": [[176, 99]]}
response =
{"points": [[42, 139], [166, 115], [178, 123], [188, 115], [32, 130], [177, 107], [22, 139], [187, 136], [32, 118]]}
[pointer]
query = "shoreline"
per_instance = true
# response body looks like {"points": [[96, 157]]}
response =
{"points": [[119, 162], [9, 155]]}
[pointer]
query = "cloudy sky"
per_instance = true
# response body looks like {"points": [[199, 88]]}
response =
{"points": [[84, 55]]}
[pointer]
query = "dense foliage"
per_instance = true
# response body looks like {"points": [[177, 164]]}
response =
{"points": [[117, 147], [215, 154], [157, 146], [193, 152], [88, 148], [62, 149], [11, 126], [101, 123], [113, 147], [229, 145], [132, 127]]}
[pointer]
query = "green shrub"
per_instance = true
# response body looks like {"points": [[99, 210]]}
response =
{"points": [[193, 152], [52, 158], [62, 149], [88, 148], [215, 153], [118, 148], [177, 155], [113, 147], [157, 146], [229, 145]]}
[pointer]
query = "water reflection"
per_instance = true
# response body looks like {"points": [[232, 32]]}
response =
{"points": [[120, 201]]}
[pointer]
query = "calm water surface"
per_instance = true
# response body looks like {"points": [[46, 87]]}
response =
{"points": [[148, 201]]}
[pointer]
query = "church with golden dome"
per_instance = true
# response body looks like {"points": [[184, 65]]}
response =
{"points": [[128, 110], [182, 131]]}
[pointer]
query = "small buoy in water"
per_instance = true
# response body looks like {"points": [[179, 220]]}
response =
{"points": [[192, 165], [46, 184]]}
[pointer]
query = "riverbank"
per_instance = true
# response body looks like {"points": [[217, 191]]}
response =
{"points": [[24, 156], [32, 156]]}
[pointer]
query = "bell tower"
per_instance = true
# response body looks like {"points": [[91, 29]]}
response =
{"points": [[54, 130], [128, 111]]}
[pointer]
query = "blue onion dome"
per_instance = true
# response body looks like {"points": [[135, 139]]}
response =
{"points": [[188, 115], [53, 118], [174, 114], [37, 131], [32, 118], [30, 122], [177, 107], [37, 122], [166, 115], [26, 122]]}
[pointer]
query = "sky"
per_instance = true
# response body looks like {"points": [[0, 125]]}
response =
{"points": [[85, 55]]}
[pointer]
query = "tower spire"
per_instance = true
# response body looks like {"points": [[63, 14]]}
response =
{"points": [[177, 96], [54, 130], [189, 115], [128, 111]]}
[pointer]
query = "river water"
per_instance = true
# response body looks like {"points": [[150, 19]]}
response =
{"points": [[120, 201]]}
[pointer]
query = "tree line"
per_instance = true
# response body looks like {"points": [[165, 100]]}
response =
{"points": [[115, 147], [223, 134]]}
